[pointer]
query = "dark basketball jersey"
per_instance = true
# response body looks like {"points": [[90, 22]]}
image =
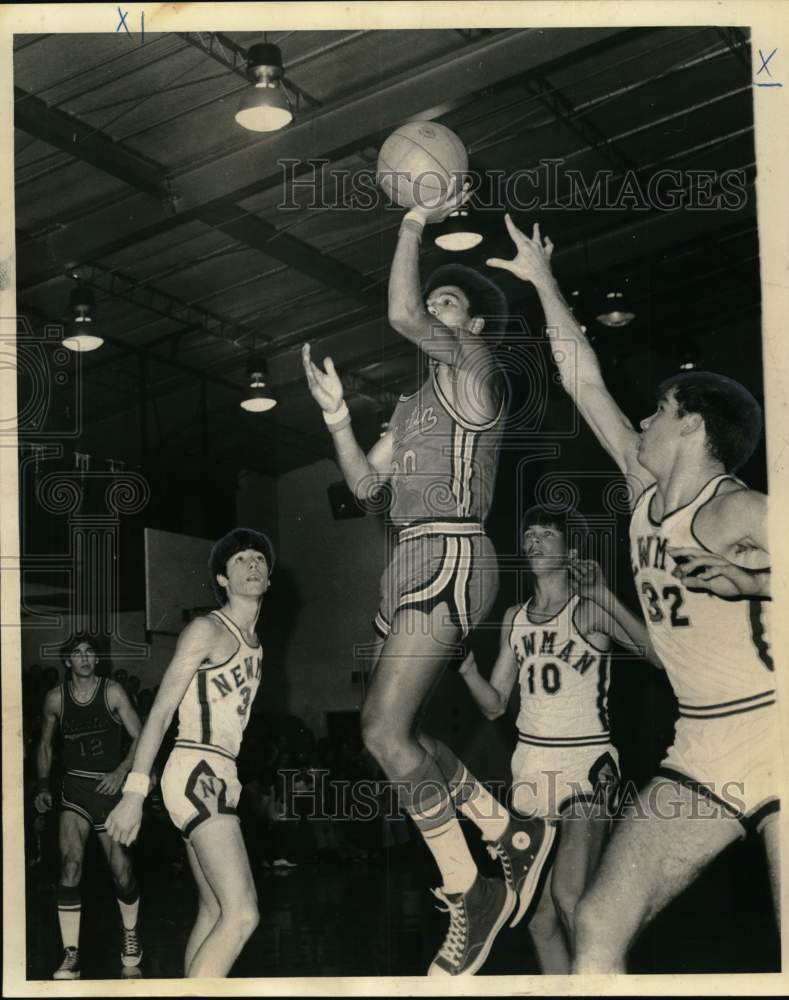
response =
{"points": [[91, 733], [443, 467]]}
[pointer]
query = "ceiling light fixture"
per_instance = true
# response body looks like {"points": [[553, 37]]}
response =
{"points": [[458, 232], [265, 106], [615, 311], [257, 401], [81, 333]]}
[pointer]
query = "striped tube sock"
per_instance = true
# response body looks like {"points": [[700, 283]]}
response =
{"points": [[470, 797], [424, 796], [69, 914]]}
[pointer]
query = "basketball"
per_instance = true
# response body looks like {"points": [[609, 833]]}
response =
{"points": [[417, 162]]}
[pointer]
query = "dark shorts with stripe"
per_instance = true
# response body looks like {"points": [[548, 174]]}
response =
{"points": [[79, 795], [199, 785], [440, 562]]}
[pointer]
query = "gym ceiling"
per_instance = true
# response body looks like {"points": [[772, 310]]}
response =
{"points": [[134, 179]]}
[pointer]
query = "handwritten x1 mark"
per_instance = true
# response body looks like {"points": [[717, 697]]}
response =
{"points": [[124, 14]]}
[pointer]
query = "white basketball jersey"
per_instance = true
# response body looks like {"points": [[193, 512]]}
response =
{"points": [[715, 651], [215, 708], [563, 681]]}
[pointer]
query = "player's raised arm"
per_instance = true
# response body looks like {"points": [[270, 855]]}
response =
{"points": [[572, 352], [49, 724], [364, 474], [407, 312], [493, 696], [602, 612], [195, 646]]}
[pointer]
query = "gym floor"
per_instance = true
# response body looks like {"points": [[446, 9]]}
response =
{"points": [[376, 917]]}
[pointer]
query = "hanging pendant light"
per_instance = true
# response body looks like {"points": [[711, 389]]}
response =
{"points": [[257, 401], [615, 311], [81, 333], [264, 106], [458, 232]]}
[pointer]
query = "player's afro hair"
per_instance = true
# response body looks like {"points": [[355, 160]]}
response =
{"points": [[228, 545], [485, 297], [732, 417]]}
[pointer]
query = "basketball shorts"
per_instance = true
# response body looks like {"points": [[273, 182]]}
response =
{"points": [[199, 786], [553, 782], [453, 563], [731, 760], [78, 794]]}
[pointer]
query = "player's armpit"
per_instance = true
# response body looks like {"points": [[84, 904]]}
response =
{"points": [[736, 527]]}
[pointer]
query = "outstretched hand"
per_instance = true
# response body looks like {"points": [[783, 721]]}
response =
{"points": [[532, 260], [325, 386], [453, 200], [701, 570]]}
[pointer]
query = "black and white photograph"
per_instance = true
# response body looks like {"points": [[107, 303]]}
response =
{"points": [[391, 399]]}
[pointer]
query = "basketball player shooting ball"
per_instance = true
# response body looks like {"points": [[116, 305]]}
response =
{"points": [[439, 456], [710, 634], [211, 681]]}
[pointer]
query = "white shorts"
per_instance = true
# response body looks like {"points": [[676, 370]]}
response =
{"points": [[199, 786], [546, 781], [729, 759]]}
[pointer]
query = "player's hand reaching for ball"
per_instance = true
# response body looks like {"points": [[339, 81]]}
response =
{"points": [[532, 260], [123, 823], [455, 198], [325, 386]]}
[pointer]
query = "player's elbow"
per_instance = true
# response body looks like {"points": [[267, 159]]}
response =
{"points": [[494, 712], [404, 319]]}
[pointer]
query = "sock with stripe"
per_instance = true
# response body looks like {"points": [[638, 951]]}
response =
{"points": [[469, 796], [425, 797], [129, 905], [69, 914]]}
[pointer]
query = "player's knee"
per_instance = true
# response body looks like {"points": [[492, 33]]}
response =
{"points": [[71, 869], [545, 922], [565, 901], [380, 737], [587, 924], [245, 917]]}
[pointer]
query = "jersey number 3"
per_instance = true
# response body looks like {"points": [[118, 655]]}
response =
{"points": [[671, 595]]}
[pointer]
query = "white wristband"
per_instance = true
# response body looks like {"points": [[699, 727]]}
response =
{"points": [[336, 418], [137, 782]]}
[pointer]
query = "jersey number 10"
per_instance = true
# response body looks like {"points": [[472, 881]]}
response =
{"points": [[550, 676]]}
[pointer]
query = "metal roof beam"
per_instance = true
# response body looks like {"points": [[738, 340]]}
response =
{"points": [[256, 166], [75, 137]]}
